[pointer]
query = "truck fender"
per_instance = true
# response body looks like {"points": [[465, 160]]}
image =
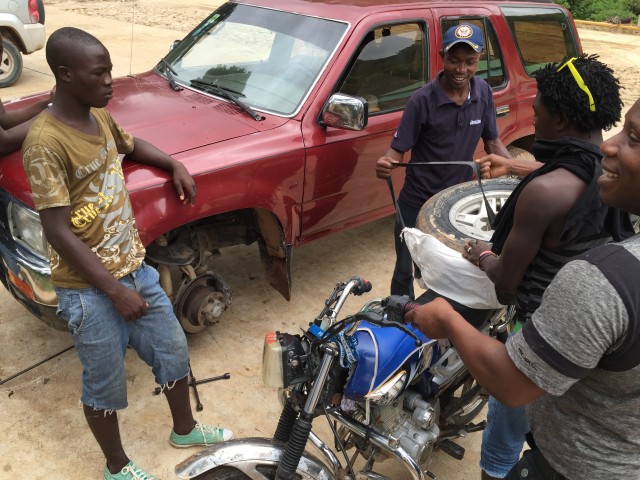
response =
{"points": [[245, 455], [275, 253]]}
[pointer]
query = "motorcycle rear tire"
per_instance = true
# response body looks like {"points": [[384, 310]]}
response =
{"points": [[229, 473]]}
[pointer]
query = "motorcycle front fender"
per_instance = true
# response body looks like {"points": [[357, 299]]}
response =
{"points": [[246, 455]]}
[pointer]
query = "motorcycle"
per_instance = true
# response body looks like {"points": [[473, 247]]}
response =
{"points": [[386, 390]]}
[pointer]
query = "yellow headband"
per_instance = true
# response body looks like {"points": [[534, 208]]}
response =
{"points": [[579, 81]]}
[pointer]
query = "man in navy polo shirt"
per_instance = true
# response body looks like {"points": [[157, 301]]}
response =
{"points": [[444, 120]]}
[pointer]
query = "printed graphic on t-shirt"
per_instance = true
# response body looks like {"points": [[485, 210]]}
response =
{"points": [[44, 176], [85, 173]]}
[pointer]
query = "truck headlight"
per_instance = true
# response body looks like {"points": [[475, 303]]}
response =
{"points": [[26, 229]]}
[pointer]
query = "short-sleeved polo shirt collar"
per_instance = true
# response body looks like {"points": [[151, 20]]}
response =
{"points": [[442, 98]]}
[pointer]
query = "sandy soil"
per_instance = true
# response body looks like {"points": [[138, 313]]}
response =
{"points": [[45, 436], [621, 53]]}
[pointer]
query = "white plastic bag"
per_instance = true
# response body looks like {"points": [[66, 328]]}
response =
{"points": [[446, 272]]}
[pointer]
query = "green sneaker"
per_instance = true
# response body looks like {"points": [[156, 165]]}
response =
{"points": [[129, 472], [201, 435]]}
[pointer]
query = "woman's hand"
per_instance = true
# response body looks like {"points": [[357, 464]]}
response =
{"points": [[494, 166], [473, 249]]}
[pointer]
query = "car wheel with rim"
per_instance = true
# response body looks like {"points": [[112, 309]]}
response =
{"points": [[520, 154], [11, 64], [458, 213]]}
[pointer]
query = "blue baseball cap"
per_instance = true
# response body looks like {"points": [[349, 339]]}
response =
{"points": [[463, 33]]}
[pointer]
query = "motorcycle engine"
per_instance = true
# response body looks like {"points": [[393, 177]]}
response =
{"points": [[408, 422]]}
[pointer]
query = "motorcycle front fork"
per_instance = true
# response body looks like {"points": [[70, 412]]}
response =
{"points": [[295, 429]]}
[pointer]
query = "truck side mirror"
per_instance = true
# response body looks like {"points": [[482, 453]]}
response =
{"points": [[345, 111]]}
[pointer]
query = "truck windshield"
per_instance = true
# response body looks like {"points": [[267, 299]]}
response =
{"points": [[270, 58]]}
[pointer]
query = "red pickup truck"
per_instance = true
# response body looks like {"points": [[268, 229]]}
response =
{"points": [[280, 109]]}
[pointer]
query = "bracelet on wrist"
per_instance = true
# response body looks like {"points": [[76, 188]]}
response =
{"points": [[482, 256]]}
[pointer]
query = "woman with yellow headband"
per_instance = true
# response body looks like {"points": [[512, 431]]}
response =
{"points": [[576, 363], [553, 215]]}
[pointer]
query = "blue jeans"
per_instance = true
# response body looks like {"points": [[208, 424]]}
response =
{"points": [[402, 280], [502, 438], [101, 337]]}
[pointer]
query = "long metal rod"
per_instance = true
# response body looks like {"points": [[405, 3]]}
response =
{"points": [[395, 203], [2, 382], [474, 166]]}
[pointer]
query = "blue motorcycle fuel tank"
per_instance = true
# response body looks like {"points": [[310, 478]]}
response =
{"points": [[381, 352]]}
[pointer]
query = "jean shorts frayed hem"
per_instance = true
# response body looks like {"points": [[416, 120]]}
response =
{"points": [[101, 337]]}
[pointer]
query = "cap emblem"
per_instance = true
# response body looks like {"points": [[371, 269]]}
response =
{"points": [[463, 31]]}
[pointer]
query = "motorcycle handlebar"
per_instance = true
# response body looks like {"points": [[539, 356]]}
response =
{"points": [[397, 306], [362, 285]]}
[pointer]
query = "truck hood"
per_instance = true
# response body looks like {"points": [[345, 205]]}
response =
{"points": [[148, 108], [176, 122]]}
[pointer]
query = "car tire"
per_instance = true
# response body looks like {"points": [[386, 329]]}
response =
{"points": [[41, 11], [458, 213], [11, 64], [520, 154]]}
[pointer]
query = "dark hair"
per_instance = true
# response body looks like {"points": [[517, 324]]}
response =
{"points": [[63, 44], [560, 93]]}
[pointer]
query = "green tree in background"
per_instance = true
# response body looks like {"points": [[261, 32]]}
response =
{"points": [[601, 10], [633, 6]]}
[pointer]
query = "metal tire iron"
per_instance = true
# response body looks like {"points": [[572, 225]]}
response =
{"points": [[193, 383], [476, 168]]}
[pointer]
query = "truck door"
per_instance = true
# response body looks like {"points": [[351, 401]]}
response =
{"points": [[385, 64]]}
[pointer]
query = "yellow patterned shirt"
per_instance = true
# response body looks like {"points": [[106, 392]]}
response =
{"points": [[67, 167]]}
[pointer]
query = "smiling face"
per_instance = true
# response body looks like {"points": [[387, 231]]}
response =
{"points": [[460, 64], [620, 182]]}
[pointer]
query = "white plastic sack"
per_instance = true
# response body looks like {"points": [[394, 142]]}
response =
{"points": [[446, 272]]}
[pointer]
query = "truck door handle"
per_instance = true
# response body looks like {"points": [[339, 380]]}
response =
{"points": [[502, 111]]}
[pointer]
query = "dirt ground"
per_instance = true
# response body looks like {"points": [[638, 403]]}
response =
{"points": [[45, 435]]}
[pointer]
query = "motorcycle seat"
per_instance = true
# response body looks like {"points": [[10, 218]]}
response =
{"points": [[476, 317]]}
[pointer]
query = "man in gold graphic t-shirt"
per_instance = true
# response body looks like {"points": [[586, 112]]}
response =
{"points": [[108, 296], [93, 188]]}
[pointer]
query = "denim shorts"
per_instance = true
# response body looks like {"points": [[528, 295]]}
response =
{"points": [[101, 337], [502, 438]]}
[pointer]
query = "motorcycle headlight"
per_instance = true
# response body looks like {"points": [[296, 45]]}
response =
{"points": [[388, 391], [283, 359], [272, 367], [26, 229]]}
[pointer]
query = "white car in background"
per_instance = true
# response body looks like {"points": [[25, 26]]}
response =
{"points": [[22, 29]]}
